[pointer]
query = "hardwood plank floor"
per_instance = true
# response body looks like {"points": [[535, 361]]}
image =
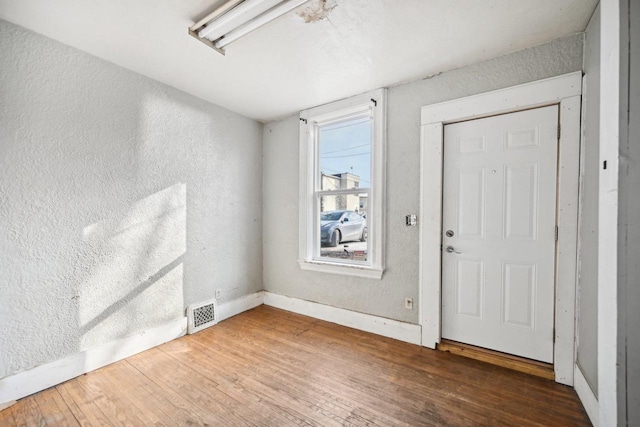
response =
{"points": [[269, 367]]}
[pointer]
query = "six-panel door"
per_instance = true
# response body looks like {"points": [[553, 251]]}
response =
{"points": [[499, 209]]}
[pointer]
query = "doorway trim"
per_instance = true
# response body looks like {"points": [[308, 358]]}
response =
{"points": [[563, 90]]}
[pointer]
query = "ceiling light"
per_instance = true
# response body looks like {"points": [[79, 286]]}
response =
{"points": [[237, 18]]}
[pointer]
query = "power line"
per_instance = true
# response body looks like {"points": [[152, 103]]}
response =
{"points": [[345, 149], [346, 155]]}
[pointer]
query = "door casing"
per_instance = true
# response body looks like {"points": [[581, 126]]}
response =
{"points": [[565, 91]]}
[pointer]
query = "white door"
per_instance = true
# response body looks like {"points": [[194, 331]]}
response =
{"points": [[499, 232]]}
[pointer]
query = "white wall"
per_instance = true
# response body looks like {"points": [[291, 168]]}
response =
{"points": [[385, 297], [121, 201], [587, 353]]}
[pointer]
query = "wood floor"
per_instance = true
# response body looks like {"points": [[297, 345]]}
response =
{"points": [[270, 367]]}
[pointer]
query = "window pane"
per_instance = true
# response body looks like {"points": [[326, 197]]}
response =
{"points": [[343, 227], [345, 155]]}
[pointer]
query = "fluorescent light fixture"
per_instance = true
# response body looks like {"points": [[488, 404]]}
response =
{"points": [[216, 13], [241, 14], [237, 18], [258, 22]]}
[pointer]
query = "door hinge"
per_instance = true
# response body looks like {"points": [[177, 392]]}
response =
{"points": [[556, 233], [559, 131]]}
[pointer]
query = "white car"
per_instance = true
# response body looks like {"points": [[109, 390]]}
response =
{"points": [[342, 226]]}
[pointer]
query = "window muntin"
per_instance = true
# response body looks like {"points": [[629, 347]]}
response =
{"points": [[342, 169]]}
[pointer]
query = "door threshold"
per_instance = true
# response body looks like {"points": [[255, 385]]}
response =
{"points": [[509, 361]]}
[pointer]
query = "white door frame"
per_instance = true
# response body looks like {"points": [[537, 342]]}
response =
{"points": [[564, 90]]}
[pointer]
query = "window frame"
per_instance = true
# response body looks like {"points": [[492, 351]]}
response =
{"points": [[309, 232]]}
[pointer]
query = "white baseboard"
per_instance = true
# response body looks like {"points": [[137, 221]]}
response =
{"points": [[401, 331], [50, 374], [586, 395], [237, 306]]}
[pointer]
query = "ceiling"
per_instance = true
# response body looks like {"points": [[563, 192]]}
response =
{"points": [[291, 64]]}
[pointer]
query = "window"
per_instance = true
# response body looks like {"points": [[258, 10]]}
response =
{"points": [[342, 148]]}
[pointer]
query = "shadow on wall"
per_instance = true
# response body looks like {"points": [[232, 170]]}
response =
{"points": [[215, 154], [140, 273], [119, 202]]}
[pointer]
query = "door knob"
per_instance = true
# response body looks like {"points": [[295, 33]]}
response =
{"points": [[451, 249]]}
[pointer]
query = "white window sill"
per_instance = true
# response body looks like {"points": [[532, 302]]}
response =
{"points": [[342, 269]]}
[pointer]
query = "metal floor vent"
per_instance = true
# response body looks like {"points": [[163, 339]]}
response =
{"points": [[201, 316]]}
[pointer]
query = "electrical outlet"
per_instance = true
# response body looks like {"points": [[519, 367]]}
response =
{"points": [[408, 303], [218, 293]]}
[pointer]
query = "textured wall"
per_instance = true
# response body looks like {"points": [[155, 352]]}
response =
{"points": [[121, 201], [385, 297], [588, 257]]}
